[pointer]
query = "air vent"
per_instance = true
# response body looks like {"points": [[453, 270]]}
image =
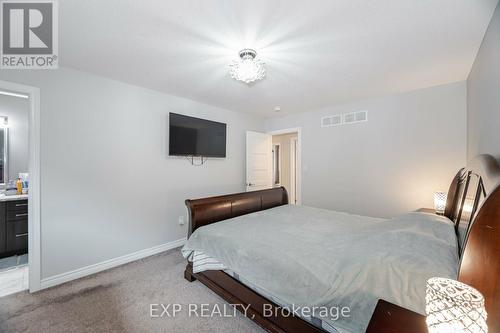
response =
{"points": [[362, 116], [330, 121], [355, 117], [349, 118]]}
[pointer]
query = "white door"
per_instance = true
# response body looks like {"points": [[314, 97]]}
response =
{"points": [[259, 161]]}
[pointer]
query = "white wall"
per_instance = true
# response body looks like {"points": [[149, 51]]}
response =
{"points": [[483, 95], [107, 186], [17, 110], [412, 145]]}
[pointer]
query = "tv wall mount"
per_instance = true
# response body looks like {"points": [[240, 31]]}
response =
{"points": [[191, 160]]}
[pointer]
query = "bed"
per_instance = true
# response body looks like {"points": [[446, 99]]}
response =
{"points": [[258, 252]]}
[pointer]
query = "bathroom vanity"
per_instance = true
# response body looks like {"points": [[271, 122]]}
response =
{"points": [[13, 225]]}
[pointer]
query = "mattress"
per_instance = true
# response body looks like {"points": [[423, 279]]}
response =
{"points": [[300, 256]]}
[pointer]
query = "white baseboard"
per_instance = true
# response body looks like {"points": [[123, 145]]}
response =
{"points": [[102, 266]]}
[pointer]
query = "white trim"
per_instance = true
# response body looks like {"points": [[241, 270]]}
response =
{"points": [[6, 157], [294, 143], [111, 263], [279, 163], [297, 130], [34, 243], [8, 93]]}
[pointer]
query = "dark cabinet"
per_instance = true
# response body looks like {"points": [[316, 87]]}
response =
{"points": [[17, 236], [13, 227], [3, 234]]}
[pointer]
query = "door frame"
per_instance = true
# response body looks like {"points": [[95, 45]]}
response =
{"points": [[34, 240], [297, 130], [294, 143], [279, 162]]}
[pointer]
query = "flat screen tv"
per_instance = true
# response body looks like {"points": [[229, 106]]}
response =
{"points": [[189, 136]]}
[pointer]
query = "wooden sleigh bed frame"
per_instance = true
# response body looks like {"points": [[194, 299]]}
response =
{"points": [[473, 204]]}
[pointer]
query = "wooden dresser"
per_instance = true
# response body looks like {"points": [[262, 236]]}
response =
{"points": [[13, 227]]}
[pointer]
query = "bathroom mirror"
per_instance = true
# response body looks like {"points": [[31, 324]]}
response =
{"points": [[3, 156]]}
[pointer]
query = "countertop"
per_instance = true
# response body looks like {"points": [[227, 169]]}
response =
{"points": [[4, 197]]}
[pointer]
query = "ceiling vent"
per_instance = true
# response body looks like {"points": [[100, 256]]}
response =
{"points": [[330, 121], [355, 117]]}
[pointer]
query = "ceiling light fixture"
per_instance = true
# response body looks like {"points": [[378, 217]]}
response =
{"points": [[248, 68]]}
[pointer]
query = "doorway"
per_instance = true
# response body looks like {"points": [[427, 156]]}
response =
{"points": [[14, 180], [273, 159], [285, 158], [19, 188]]}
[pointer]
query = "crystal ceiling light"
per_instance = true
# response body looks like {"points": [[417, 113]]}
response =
{"points": [[247, 69]]}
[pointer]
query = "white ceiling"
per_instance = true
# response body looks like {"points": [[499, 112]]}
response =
{"points": [[317, 53]]}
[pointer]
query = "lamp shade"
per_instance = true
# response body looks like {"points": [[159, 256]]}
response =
{"points": [[440, 202], [454, 307]]}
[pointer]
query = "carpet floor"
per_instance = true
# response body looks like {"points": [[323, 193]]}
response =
{"points": [[118, 300]]}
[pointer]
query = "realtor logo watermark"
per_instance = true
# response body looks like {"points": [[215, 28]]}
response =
{"points": [[206, 310], [29, 38]]}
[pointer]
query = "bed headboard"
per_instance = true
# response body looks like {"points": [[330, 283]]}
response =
{"points": [[209, 210], [474, 205]]}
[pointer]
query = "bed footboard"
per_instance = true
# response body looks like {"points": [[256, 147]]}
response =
{"points": [[214, 209], [274, 319]]}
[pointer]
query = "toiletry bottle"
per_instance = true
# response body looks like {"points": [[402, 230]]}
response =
{"points": [[19, 186]]}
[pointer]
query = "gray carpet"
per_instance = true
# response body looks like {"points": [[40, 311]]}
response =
{"points": [[118, 300]]}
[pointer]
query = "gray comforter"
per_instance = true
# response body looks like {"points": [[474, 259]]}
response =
{"points": [[307, 257]]}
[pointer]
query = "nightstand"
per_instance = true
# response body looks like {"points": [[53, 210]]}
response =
{"points": [[390, 318]]}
